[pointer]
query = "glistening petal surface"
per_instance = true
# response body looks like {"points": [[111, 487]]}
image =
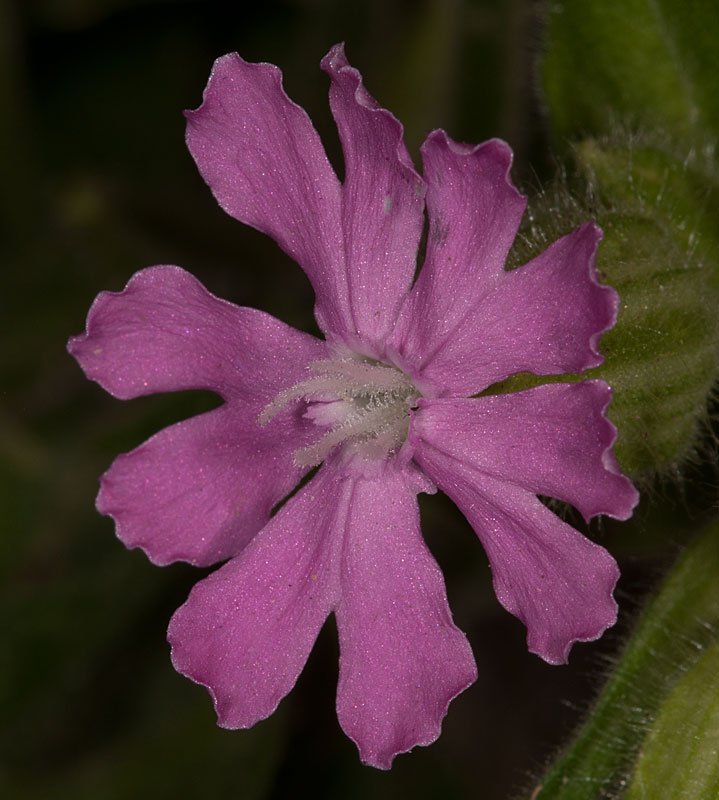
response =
{"points": [[545, 317], [547, 574], [553, 440], [402, 659], [474, 212], [199, 490], [165, 332], [382, 205], [245, 632], [264, 162]]}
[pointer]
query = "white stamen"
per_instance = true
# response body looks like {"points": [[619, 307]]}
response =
{"points": [[361, 374], [311, 387], [372, 414]]}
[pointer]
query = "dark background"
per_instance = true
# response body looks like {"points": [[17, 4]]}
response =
{"points": [[96, 184]]}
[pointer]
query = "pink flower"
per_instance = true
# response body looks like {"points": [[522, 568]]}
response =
{"points": [[388, 404]]}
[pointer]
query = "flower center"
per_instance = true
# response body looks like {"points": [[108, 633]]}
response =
{"points": [[363, 404]]}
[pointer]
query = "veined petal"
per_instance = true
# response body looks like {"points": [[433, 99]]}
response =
{"points": [[402, 659], [546, 318], [165, 332], [245, 632], [199, 490], [382, 204], [264, 162], [474, 213], [553, 440], [556, 581]]}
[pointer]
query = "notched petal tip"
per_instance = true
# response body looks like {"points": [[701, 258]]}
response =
{"points": [[592, 235], [626, 497], [220, 67], [555, 649], [494, 150], [184, 666], [134, 537], [227, 66], [581, 612], [229, 69], [117, 349], [578, 607], [221, 701], [88, 348], [336, 65], [336, 60], [384, 759]]}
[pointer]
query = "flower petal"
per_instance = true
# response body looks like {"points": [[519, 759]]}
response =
{"points": [[547, 574], [474, 213], [245, 632], [198, 491], [553, 440], [165, 332], [382, 203], [545, 317], [402, 659], [264, 162]]}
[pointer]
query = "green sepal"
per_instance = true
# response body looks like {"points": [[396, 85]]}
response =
{"points": [[661, 354], [677, 629], [660, 252], [677, 189]]}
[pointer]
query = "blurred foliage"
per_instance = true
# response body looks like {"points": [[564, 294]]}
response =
{"points": [[654, 63], [96, 185]]}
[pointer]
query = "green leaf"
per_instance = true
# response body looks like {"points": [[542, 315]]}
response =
{"points": [[652, 61], [680, 757], [678, 627]]}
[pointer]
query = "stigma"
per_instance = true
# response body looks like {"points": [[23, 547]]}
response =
{"points": [[363, 405]]}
